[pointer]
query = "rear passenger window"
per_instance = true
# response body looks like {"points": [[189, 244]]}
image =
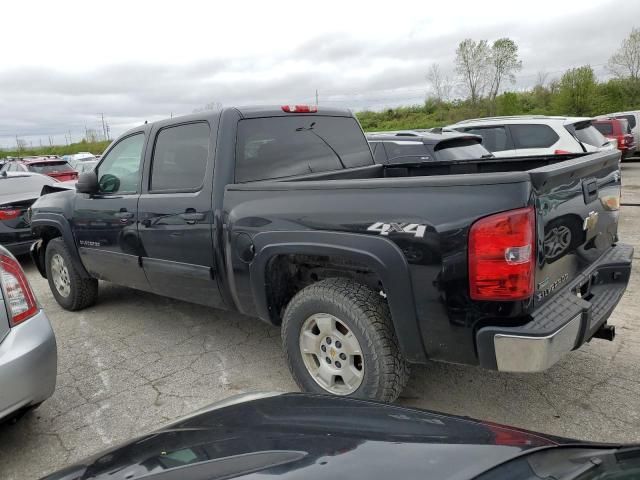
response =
{"points": [[180, 157], [495, 139], [533, 136]]}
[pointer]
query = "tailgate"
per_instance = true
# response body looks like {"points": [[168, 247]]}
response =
{"points": [[577, 204]]}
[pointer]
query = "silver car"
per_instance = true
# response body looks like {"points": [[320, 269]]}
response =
{"points": [[28, 354]]}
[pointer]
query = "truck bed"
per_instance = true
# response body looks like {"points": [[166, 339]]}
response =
{"points": [[444, 199]]}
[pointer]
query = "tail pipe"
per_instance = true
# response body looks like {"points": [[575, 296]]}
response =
{"points": [[606, 332]]}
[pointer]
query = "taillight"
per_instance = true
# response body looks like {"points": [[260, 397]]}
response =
{"points": [[502, 256], [9, 213], [299, 108], [19, 297], [561, 152]]}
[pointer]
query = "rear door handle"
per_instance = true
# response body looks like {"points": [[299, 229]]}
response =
{"points": [[192, 217]]}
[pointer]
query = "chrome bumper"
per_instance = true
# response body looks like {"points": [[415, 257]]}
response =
{"points": [[517, 353], [28, 364]]}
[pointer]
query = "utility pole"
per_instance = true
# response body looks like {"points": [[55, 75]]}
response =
{"points": [[108, 132], [70, 142], [316, 97], [104, 127]]}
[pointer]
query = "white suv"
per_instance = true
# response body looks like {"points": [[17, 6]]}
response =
{"points": [[525, 135]]}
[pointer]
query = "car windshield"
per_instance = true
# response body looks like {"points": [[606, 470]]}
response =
{"points": [[24, 184], [50, 167], [86, 166], [571, 463]]}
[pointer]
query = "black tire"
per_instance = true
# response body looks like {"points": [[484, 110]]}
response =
{"points": [[83, 291], [367, 315]]}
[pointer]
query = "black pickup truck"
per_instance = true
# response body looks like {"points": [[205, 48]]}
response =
{"points": [[282, 214]]}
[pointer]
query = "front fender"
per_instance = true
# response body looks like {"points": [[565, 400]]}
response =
{"points": [[43, 220], [379, 254]]}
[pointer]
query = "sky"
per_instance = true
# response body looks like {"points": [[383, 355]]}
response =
{"points": [[66, 62]]}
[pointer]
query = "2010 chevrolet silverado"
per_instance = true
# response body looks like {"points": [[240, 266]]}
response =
{"points": [[282, 214]]}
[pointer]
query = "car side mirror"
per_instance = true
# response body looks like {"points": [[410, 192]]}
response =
{"points": [[87, 183]]}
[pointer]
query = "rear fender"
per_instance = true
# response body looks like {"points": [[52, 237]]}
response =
{"points": [[379, 254]]}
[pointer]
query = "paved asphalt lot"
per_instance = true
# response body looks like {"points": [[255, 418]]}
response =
{"points": [[135, 361]]}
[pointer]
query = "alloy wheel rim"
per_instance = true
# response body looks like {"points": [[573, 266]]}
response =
{"points": [[60, 275], [331, 354]]}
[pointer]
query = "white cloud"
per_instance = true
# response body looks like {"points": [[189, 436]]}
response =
{"points": [[65, 61]]}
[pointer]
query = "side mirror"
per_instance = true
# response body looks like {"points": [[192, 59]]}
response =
{"points": [[108, 183], [87, 183]]}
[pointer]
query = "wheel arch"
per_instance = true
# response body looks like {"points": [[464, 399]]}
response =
{"points": [[381, 256], [53, 225]]}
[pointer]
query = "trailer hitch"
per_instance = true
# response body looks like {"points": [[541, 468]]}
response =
{"points": [[606, 332]]}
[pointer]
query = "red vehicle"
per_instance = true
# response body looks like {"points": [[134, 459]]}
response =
{"points": [[617, 129], [51, 166]]}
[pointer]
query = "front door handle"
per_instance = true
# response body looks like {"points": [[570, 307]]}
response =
{"points": [[191, 216]]}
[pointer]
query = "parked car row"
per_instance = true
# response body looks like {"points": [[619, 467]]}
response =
{"points": [[514, 136], [527, 135]]}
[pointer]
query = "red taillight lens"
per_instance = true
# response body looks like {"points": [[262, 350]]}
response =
{"points": [[502, 256], [19, 297], [299, 108], [9, 213], [561, 152]]}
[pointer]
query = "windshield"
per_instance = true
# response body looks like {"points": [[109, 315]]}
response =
{"points": [[26, 184], [50, 167], [279, 147], [571, 463], [86, 166]]}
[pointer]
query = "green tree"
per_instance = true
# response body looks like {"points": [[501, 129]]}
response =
{"points": [[508, 104], [577, 92], [503, 65], [472, 67], [625, 65]]}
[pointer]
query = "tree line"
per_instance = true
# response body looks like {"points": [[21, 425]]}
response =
{"points": [[484, 71]]}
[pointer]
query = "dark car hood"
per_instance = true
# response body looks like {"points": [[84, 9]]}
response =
{"points": [[311, 436]]}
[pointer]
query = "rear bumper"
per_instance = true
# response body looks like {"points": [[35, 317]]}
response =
{"points": [[563, 323], [28, 364], [17, 241], [19, 248]]}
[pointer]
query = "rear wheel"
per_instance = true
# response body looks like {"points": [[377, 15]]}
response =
{"points": [[339, 339], [71, 291]]}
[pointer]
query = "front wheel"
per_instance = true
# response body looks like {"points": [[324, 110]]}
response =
{"points": [[69, 288], [338, 338]]}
